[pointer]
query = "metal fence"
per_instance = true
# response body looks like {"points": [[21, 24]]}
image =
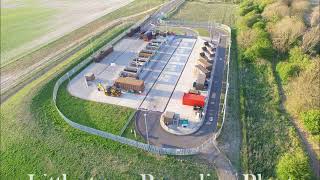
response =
{"points": [[123, 140]]}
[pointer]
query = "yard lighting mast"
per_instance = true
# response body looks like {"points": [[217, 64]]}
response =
{"points": [[145, 122]]}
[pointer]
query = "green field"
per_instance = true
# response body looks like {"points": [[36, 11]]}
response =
{"points": [[217, 12], [23, 23]]}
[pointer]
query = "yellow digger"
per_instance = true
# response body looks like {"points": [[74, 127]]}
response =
{"points": [[110, 90]]}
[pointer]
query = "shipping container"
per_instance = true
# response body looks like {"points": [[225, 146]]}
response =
{"points": [[129, 74], [193, 100], [102, 54], [140, 59], [130, 84], [147, 36]]}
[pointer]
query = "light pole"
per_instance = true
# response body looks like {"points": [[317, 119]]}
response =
{"points": [[145, 122]]}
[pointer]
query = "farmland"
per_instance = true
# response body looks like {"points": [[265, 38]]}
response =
{"points": [[217, 12], [28, 24]]}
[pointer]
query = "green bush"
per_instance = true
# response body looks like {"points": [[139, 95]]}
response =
{"points": [[287, 70], [311, 120], [246, 7], [294, 166], [262, 48]]}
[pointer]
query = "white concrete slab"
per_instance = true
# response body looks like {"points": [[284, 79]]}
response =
{"points": [[184, 85]]}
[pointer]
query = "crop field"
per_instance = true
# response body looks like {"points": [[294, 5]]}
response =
{"points": [[28, 24], [217, 12]]}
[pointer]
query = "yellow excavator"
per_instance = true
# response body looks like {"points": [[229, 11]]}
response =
{"points": [[110, 90]]}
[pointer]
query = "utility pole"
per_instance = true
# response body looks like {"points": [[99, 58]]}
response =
{"points": [[145, 122]]}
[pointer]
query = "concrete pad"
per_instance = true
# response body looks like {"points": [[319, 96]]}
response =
{"points": [[184, 85]]}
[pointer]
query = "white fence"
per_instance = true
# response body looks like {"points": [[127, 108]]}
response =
{"points": [[123, 140]]}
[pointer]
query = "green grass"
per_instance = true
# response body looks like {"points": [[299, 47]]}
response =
{"points": [[201, 12], [22, 24], [267, 133], [109, 118], [35, 139]]}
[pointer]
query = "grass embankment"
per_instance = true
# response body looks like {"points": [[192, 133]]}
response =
{"points": [[35, 139], [77, 35], [217, 12]]}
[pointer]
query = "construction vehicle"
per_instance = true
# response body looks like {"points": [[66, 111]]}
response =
{"points": [[110, 90]]}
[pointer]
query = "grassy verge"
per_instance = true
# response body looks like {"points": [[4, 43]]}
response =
{"points": [[230, 137], [217, 12], [35, 139]]}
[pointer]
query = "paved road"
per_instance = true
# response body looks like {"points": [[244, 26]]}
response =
{"points": [[159, 137]]}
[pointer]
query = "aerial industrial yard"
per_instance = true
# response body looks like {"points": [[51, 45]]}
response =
{"points": [[160, 89], [166, 77]]}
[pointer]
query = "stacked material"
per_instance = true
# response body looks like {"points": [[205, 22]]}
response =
{"points": [[205, 64], [89, 76], [102, 54], [130, 84]]}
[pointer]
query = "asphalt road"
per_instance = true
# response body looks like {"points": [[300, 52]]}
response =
{"points": [[159, 137]]}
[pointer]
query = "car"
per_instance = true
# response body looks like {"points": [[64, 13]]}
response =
{"points": [[210, 119]]}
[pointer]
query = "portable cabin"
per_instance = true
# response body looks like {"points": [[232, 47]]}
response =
{"points": [[168, 117]]}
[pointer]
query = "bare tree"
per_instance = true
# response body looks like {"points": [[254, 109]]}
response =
{"points": [[315, 16], [286, 32], [304, 90], [311, 39], [247, 38], [276, 11]]}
